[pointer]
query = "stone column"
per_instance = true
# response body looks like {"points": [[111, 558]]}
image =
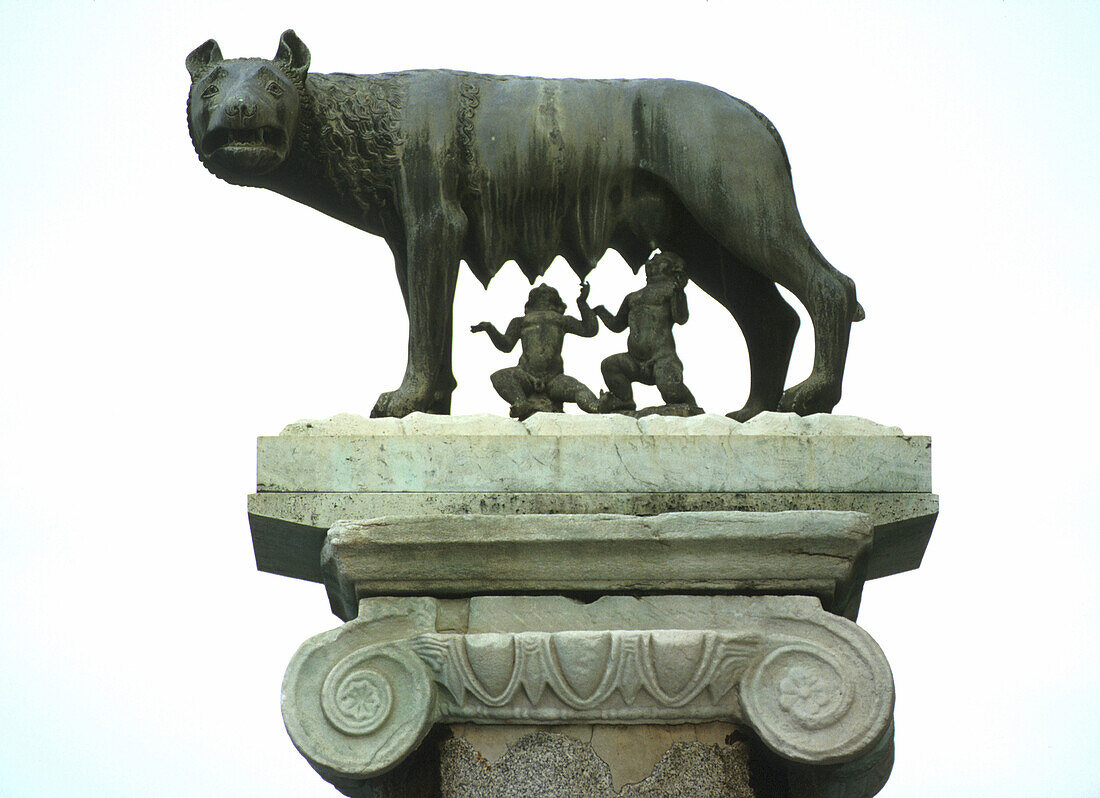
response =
{"points": [[593, 606]]}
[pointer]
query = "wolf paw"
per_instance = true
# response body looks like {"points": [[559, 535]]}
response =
{"points": [[810, 396], [748, 411], [399, 403]]}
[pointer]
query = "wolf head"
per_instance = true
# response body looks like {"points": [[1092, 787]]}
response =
{"points": [[243, 113]]}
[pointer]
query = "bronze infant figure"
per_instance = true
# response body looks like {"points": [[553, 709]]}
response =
{"points": [[539, 383], [650, 357]]}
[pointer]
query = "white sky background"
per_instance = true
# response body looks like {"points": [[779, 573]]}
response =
{"points": [[154, 321]]}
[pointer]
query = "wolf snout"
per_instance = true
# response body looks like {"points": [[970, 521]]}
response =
{"points": [[240, 107]]}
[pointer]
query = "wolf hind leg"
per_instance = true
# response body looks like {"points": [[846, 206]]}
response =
{"points": [[787, 256], [830, 301], [768, 324]]}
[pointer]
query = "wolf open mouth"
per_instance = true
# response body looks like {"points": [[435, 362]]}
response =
{"points": [[264, 137]]}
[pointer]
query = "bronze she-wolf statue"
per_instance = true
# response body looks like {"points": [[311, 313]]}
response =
{"points": [[450, 166]]}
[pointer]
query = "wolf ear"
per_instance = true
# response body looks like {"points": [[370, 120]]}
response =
{"points": [[293, 54], [202, 58]]}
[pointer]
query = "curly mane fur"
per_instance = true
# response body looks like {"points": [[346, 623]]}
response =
{"points": [[352, 126]]}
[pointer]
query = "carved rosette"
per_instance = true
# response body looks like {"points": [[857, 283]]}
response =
{"points": [[815, 687], [817, 706], [358, 715]]}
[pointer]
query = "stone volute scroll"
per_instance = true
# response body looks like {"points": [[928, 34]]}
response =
{"points": [[377, 704], [814, 687]]}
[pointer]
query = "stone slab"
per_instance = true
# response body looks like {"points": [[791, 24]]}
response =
{"points": [[810, 552], [513, 614], [771, 453], [288, 529], [409, 616], [767, 423]]}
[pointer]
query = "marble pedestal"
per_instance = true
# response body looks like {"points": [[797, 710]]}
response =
{"points": [[670, 601]]}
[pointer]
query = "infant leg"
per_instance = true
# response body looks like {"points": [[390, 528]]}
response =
{"points": [[668, 373], [564, 388], [513, 384], [620, 372]]}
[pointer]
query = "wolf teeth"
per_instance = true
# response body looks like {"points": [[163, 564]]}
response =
{"points": [[246, 136]]}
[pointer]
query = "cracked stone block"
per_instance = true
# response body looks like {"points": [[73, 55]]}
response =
{"points": [[486, 454]]}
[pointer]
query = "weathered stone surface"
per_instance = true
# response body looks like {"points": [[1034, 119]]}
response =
{"points": [[596, 762], [564, 424], [810, 552], [422, 425], [511, 614], [767, 423], [288, 529], [704, 424], [630, 752], [345, 424], [814, 687], [539, 765], [602, 463]]}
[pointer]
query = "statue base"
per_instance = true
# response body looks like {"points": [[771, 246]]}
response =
{"points": [[584, 605]]}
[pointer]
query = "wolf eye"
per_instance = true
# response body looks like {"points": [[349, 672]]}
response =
{"points": [[275, 89], [209, 91]]}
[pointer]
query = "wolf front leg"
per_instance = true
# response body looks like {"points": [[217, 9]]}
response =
{"points": [[428, 273]]}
